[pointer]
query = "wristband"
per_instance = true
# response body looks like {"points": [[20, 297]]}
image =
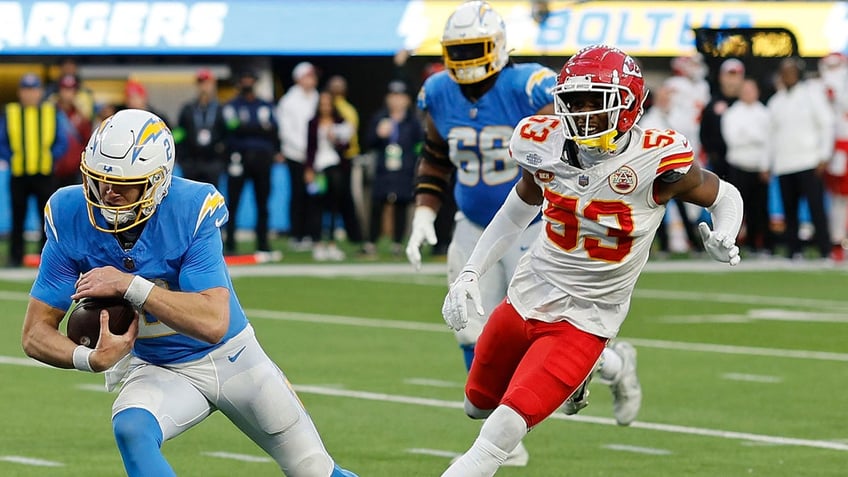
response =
{"points": [[82, 354], [138, 291]]}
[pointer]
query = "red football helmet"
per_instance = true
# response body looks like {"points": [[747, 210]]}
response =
{"points": [[609, 72]]}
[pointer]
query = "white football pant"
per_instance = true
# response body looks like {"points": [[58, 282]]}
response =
{"points": [[241, 381]]}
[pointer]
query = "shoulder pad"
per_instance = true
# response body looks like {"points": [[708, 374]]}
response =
{"points": [[673, 148], [537, 140], [213, 205]]}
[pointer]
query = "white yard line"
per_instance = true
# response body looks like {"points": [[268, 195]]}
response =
{"points": [[18, 459], [371, 269], [636, 449], [671, 428], [434, 452], [753, 378], [436, 383], [239, 457], [97, 388], [315, 318]]}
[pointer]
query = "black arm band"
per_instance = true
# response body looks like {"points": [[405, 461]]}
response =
{"points": [[431, 185], [436, 154]]}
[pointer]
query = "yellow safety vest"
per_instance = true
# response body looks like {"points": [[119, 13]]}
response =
{"points": [[31, 132]]}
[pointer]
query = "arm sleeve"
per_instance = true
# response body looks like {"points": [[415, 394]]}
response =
{"points": [[726, 211], [513, 217]]}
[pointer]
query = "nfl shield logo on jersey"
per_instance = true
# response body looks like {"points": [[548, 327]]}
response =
{"points": [[583, 180], [623, 180]]}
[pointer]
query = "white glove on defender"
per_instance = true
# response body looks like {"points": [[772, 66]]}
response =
{"points": [[422, 230], [455, 309], [719, 246]]}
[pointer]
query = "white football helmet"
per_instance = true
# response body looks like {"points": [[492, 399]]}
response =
{"points": [[130, 148], [474, 43]]}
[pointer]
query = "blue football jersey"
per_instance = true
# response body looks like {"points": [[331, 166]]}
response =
{"points": [[478, 132], [179, 249]]}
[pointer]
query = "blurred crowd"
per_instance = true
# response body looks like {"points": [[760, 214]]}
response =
{"points": [[313, 129], [785, 153]]}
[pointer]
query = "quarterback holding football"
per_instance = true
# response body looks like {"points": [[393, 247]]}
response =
{"points": [[135, 231]]}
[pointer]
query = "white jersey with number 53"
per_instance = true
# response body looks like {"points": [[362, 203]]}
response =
{"points": [[599, 224]]}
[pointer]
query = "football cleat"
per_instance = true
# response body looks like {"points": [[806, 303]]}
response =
{"points": [[626, 390], [578, 399]]}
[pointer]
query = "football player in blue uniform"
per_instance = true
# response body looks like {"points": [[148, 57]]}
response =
{"points": [[133, 230], [471, 109]]}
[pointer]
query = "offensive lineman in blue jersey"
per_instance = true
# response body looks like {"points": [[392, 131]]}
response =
{"points": [[471, 110], [135, 231]]}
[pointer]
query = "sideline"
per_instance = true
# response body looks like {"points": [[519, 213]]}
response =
{"points": [[374, 269]]}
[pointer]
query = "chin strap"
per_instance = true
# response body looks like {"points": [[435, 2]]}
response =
{"points": [[604, 142]]}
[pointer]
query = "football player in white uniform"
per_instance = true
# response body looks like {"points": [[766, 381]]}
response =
{"points": [[133, 230], [471, 109], [601, 183]]}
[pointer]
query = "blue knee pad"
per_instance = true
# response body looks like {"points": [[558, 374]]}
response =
{"points": [[339, 472], [468, 353], [139, 440]]}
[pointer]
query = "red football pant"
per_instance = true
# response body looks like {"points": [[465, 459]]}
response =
{"points": [[529, 365]]}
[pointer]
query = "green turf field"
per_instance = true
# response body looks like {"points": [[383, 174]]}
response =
{"points": [[744, 373]]}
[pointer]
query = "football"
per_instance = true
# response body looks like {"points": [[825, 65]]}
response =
{"points": [[84, 319]]}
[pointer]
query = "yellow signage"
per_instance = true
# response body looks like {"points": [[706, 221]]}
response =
{"points": [[641, 28]]}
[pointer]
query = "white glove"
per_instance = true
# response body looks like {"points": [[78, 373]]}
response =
{"points": [[422, 230], [455, 309], [719, 246]]}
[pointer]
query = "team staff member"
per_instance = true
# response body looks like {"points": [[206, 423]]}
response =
{"points": [[32, 138], [253, 145]]}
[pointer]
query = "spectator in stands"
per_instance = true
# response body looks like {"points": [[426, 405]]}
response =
{"points": [[84, 98], [337, 86], [135, 97], [200, 133], [396, 134], [834, 73], [801, 140], [32, 153], [745, 130], [253, 145], [327, 135], [67, 170], [731, 74], [295, 109]]}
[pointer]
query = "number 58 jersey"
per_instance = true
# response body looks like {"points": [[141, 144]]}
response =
{"points": [[599, 224]]}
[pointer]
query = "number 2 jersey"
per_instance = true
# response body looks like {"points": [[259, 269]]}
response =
{"points": [[179, 249], [478, 132], [599, 224]]}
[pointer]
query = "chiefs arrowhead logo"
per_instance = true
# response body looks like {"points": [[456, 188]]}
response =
{"points": [[623, 180]]}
